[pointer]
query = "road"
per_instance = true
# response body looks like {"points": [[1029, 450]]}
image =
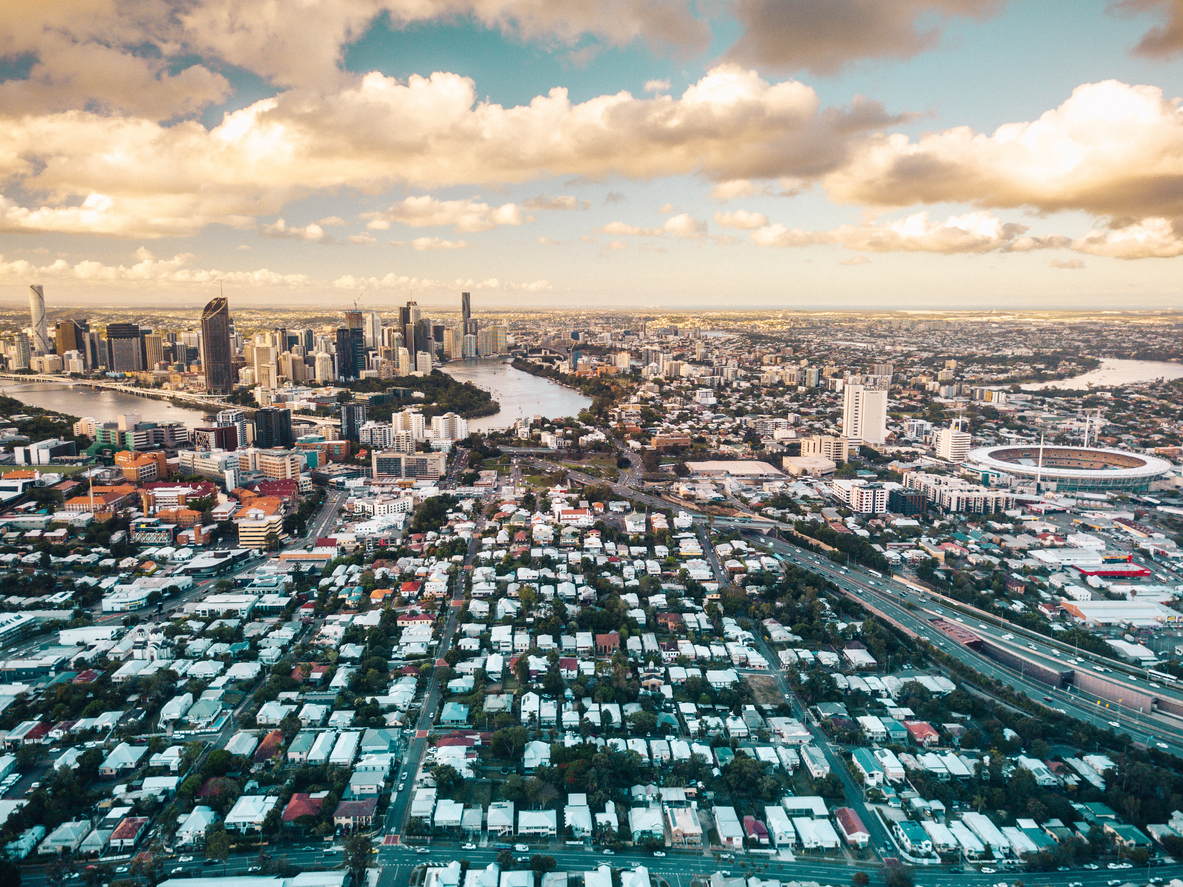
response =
{"points": [[915, 612]]}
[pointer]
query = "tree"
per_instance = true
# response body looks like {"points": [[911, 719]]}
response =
{"points": [[217, 845], [896, 875], [505, 860], [541, 863], [358, 848], [860, 879]]}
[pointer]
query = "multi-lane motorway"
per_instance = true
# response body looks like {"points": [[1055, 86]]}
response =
{"points": [[915, 611]]}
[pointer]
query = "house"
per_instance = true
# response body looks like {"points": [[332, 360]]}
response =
{"points": [[247, 815], [646, 822], [728, 826], [853, 831], [123, 759], [500, 818], [355, 814], [542, 823], [65, 838], [303, 804], [454, 714], [685, 829], [192, 830], [128, 833], [535, 755], [607, 644]]}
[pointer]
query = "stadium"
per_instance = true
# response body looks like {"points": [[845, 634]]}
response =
{"points": [[1084, 469]]}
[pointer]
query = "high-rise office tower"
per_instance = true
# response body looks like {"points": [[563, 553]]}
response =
{"points": [[153, 350], [125, 348], [236, 419], [273, 428], [353, 417], [323, 367], [373, 330], [38, 326], [217, 356], [864, 414], [351, 352], [408, 316], [354, 320], [71, 336], [465, 310]]}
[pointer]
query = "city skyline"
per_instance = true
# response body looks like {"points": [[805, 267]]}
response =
{"points": [[919, 155]]}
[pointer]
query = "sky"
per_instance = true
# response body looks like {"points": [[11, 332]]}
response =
{"points": [[643, 154]]}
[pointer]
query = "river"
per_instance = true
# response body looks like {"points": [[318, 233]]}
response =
{"points": [[1112, 373], [102, 404], [520, 394]]}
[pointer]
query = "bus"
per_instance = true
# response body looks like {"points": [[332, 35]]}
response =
{"points": [[1161, 676]]}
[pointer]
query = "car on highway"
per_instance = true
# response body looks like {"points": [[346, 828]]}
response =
{"points": [[609, 852], [1091, 866], [988, 870], [522, 848], [1008, 637], [1114, 725], [659, 853], [1162, 745], [185, 859], [468, 846], [122, 870]]}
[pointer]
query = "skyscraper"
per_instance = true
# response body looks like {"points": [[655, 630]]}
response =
{"points": [[465, 310], [71, 336], [864, 414], [37, 324], [353, 417], [125, 348], [217, 357], [154, 349], [351, 352], [273, 428]]}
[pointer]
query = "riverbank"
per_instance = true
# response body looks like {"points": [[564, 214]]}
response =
{"points": [[1111, 373], [604, 391]]}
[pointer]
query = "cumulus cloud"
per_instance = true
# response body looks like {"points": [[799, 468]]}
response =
{"points": [[1111, 149], [741, 218], [562, 202], [823, 36], [312, 232], [1163, 40], [657, 85], [380, 131], [1153, 238], [401, 282], [148, 268], [465, 216], [682, 225], [976, 232], [431, 243]]}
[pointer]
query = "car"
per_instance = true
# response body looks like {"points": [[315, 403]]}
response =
{"points": [[1113, 882], [1062, 868], [185, 859], [1047, 699], [522, 848], [523, 858], [1114, 725], [988, 870], [401, 786], [1075, 884], [1091, 866], [726, 873], [955, 870], [210, 862], [608, 851], [1162, 745], [1113, 866], [253, 869], [122, 870], [420, 849], [468, 846], [659, 853], [1008, 637]]}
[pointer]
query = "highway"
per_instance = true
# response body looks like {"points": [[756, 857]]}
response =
{"points": [[914, 611]]}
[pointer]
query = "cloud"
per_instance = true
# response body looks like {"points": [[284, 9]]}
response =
{"points": [[401, 282], [148, 269], [431, 243], [741, 218], [1161, 41], [614, 197], [548, 241], [976, 232], [855, 260], [614, 246], [1066, 263], [657, 86], [465, 216], [562, 202], [824, 36], [378, 131], [682, 225], [1110, 149], [1154, 238], [312, 232], [362, 239]]}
